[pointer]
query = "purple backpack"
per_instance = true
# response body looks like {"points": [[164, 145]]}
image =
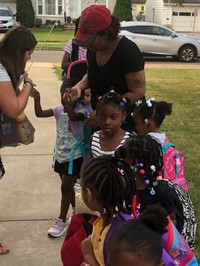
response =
{"points": [[176, 251]]}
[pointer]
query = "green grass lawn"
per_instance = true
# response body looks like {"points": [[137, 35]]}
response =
{"points": [[51, 39], [180, 87]]}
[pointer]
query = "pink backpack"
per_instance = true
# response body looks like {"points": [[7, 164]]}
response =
{"points": [[173, 164]]}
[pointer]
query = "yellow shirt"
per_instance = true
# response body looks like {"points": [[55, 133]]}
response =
{"points": [[97, 238]]}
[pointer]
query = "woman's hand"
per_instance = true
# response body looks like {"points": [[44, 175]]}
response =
{"points": [[72, 94], [29, 81]]}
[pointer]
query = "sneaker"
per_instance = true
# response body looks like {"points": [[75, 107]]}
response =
{"points": [[58, 228]]}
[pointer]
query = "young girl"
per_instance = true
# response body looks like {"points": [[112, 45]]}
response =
{"points": [[106, 189], [148, 117], [67, 167], [139, 241], [111, 111], [144, 155]]}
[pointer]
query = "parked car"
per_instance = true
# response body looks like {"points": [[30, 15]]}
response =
{"points": [[7, 20], [155, 39]]}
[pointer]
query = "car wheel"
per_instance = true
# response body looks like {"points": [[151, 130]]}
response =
{"points": [[187, 53]]}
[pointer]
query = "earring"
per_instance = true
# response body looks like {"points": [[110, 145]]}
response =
{"points": [[104, 212]]}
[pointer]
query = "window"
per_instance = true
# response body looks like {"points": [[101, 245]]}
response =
{"points": [[60, 7], [175, 13], [40, 10], [137, 29], [160, 31], [50, 7], [188, 14]]}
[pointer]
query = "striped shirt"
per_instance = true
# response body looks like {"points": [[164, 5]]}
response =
{"points": [[96, 146], [82, 51]]}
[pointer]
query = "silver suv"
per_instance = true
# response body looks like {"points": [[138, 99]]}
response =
{"points": [[7, 20], [155, 39]]}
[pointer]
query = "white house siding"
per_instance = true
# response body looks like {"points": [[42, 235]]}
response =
{"points": [[157, 12], [76, 6]]}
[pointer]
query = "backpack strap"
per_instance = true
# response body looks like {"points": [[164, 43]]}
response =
{"points": [[79, 144], [166, 146], [74, 54], [117, 220]]}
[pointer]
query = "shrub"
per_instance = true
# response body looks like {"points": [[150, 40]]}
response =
{"points": [[25, 13], [38, 22], [123, 10]]}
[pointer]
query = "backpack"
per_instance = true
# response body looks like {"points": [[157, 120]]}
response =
{"points": [[175, 248], [173, 164], [82, 140], [82, 143], [186, 223]]}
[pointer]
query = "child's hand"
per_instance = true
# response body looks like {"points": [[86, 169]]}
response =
{"points": [[66, 97], [87, 250], [35, 94]]}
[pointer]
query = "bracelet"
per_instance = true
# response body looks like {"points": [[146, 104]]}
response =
{"points": [[28, 82]]}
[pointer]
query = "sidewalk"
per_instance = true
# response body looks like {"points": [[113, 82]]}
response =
{"points": [[30, 190]]}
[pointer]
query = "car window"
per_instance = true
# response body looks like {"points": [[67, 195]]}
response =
{"points": [[5, 13], [160, 31], [137, 29], [150, 30]]}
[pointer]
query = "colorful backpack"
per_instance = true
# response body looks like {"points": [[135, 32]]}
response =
{"points": [[175, 250], [82, 143], [186, 222], [82, 140], [173, 164]]}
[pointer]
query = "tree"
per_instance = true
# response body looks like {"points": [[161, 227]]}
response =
{"points": [[178, 2], [123, 10], [25, 13]]}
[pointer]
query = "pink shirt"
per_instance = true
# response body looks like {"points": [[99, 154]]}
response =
{"points": [[81, 51]]}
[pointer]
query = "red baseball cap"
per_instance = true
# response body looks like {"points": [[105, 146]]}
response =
{"points": [[94, 19]]}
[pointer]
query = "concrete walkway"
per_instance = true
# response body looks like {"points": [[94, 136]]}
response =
{"points": [[30, 190]]}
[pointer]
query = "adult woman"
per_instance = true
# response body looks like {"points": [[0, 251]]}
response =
{"points": [[16, 48], [113, 60]]}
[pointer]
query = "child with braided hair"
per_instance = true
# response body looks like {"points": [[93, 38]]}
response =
{"points": [[106, 188], [144, 155]]}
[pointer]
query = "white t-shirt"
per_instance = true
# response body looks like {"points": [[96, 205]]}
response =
{"points": [[3, 74]]}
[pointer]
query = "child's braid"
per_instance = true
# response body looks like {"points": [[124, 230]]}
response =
{"points": [[112, 184]]}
